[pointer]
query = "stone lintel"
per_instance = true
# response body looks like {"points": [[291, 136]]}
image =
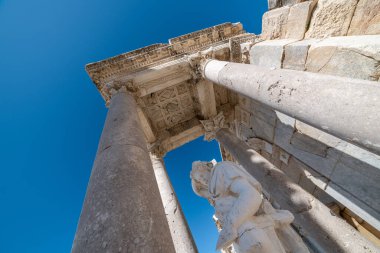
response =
{"points": [[182, 138]]}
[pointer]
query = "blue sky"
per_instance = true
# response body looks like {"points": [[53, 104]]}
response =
{"points": [[51, 115]]}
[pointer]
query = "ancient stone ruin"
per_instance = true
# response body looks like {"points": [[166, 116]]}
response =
{"points": [[296, 112]]}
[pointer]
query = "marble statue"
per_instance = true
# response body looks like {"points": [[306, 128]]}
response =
{"points": [[246, 221]]}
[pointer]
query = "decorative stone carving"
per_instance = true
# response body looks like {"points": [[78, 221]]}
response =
{"points": [[247, 222], [212, 125], [157, 149], [147, 57]]}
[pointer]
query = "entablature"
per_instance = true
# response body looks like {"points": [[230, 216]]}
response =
{"points": [[172, 96]]}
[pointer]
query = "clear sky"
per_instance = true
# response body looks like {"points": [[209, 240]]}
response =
{"points": [[51, 115]]}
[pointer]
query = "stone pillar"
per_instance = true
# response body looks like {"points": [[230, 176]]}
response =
{"points": [[122, 211], [344, 107], [321, 230], [181, 235]]}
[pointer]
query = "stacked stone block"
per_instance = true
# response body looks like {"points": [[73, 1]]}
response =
{"points": [[335, 37]]}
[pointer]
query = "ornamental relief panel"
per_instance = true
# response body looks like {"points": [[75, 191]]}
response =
{"points": [[169, 107]]}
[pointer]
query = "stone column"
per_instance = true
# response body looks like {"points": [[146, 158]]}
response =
{"points": [[181, 235], [345, 107], [122, 211], [322, 231]]}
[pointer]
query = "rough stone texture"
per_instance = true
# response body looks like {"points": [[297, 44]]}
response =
{"points": [[274, 23], [262, 129], [272, 4], [269, 53], [351, 56], [298, 20], [291, 2], [366, 19], [365, 186], [354, 204], [122, 211], [263, 112], [283, 136], [303, 140], [296, 54], [322, 196], [293, 171], [331, 18]]}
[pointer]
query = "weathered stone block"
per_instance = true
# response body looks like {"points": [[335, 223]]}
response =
{"points": [[291, 2], [268, 147], [298, 20], [353, 156], [244, 102], [283, 135], [262, 129], [255, 143], [293, 171], [272, 4], [322, 196], [245, 117], [366, 18], [276, 157], [307, 184], [285, 120], [331, 18], [246, 132], [284, 156], [263, 112], [306, 143], [274, 23], [362, 181], [359, 207], [351, 56], [296, 54], [269, 53], [266, 155]]}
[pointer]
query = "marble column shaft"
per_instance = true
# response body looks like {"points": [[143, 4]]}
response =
{"points": [[344, 107], [181, 235], [322, 230], [122, 211]]}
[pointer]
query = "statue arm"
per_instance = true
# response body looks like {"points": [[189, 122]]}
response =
{"points": [[246, 205]]}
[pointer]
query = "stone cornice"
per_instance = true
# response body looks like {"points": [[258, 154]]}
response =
{"points": [[105, 72]]}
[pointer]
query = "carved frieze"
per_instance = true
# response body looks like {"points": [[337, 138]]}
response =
{"points": [[212, 125], [110, 69], [169, 107]]}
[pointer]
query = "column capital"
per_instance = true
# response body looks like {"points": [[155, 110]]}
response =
{"points": [[198, 61], [213, 125], [116, 87], [157, 149]]}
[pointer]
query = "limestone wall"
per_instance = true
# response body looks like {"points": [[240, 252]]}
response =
{"points": [[336, 37]]}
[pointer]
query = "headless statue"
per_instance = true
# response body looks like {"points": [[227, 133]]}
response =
{"points": [[246, 221]]}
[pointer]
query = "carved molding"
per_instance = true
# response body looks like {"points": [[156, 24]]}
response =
{"points": [[156, 54], [211, 126]]}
